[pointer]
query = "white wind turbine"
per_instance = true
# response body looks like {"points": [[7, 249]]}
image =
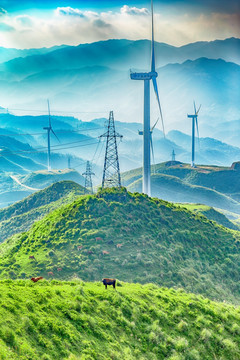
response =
{"points": [[147, 77]]}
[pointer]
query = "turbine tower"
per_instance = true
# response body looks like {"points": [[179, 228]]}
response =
{"points": [[49, 130], [147, 77], [194, 123]]}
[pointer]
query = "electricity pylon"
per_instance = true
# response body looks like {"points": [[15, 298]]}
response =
{"points": [[88, 177], [111, 171]]}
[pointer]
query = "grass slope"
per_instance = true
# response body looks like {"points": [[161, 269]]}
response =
{"points": [[76, 320], [20, 216], [160, 242], [211, 185], [211, 214], [171, 188]]}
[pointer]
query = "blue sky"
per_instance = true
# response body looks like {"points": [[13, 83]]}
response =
{"points": [[28, 23]]}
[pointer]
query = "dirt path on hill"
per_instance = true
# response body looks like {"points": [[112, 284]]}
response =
{"points": [[25, 186]]}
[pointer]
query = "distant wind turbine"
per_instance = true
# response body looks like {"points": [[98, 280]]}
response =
{"points": [[194, 123], [146, 77], [49, 130]]}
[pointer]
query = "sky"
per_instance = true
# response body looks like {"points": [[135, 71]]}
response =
{"points": [[45, 23]]}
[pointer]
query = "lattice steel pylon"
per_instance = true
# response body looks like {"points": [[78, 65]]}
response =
{"points": [[111, 171], [88, 178]]}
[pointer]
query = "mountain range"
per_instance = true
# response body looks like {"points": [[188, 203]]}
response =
{"points": [[95, 78]]}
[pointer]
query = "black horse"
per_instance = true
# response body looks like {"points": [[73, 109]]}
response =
{"points": [[107, 282]]}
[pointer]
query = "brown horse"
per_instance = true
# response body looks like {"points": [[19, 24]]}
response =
{"points": [[36, 279], [107, 282]]}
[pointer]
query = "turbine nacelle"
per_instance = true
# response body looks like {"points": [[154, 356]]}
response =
{"points": [[143, 76]]}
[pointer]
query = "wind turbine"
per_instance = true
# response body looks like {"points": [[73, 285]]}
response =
{"points": [[147, 77], [49, 130], [140, 132], [194, 123]]}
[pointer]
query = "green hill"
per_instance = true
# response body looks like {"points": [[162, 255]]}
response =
{"points": [[76, 320], [21, 215], [211, 214], [157, 242], [174, 181], [14, 187]]}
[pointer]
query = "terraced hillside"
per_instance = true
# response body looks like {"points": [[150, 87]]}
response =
{"points": [[132, 237], [76, 320], [21, 215]]}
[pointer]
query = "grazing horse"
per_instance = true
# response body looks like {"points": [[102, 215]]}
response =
{"points": [[98, 238], [104, 252], [32, 257], [35, 279], [59, 269], [107, 282], [50, 273], [119, 246]]}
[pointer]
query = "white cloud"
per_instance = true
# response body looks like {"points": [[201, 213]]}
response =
{"points": [[134, 11], [24, 21], [71, 26], [68, 11]]}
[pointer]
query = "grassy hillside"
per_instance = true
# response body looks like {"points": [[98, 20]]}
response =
{"points": [[172, 188], [159, 242], [211, 214], [210, 185], [76, 320], [21, 215], [43, 178]]}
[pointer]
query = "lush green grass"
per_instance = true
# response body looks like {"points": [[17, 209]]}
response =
{"points": [[20, 216], [77, 320], [161, 243]]}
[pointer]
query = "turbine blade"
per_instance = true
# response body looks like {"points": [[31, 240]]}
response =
{"points": [[153, 49], [49, 117], [151, 144], [154, 125], [198, 109], [158, 100], [194, 107], [54, 134]]}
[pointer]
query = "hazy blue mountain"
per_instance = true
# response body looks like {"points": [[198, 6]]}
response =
{"points": [[120, 54], [208, 150], [7, 54], [213, 83]]}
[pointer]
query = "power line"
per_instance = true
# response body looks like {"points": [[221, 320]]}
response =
{"points": [[58, 132], [54, 146], [38, 152]]}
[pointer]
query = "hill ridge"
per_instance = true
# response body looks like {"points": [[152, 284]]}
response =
{"points": [[157, 242]]}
